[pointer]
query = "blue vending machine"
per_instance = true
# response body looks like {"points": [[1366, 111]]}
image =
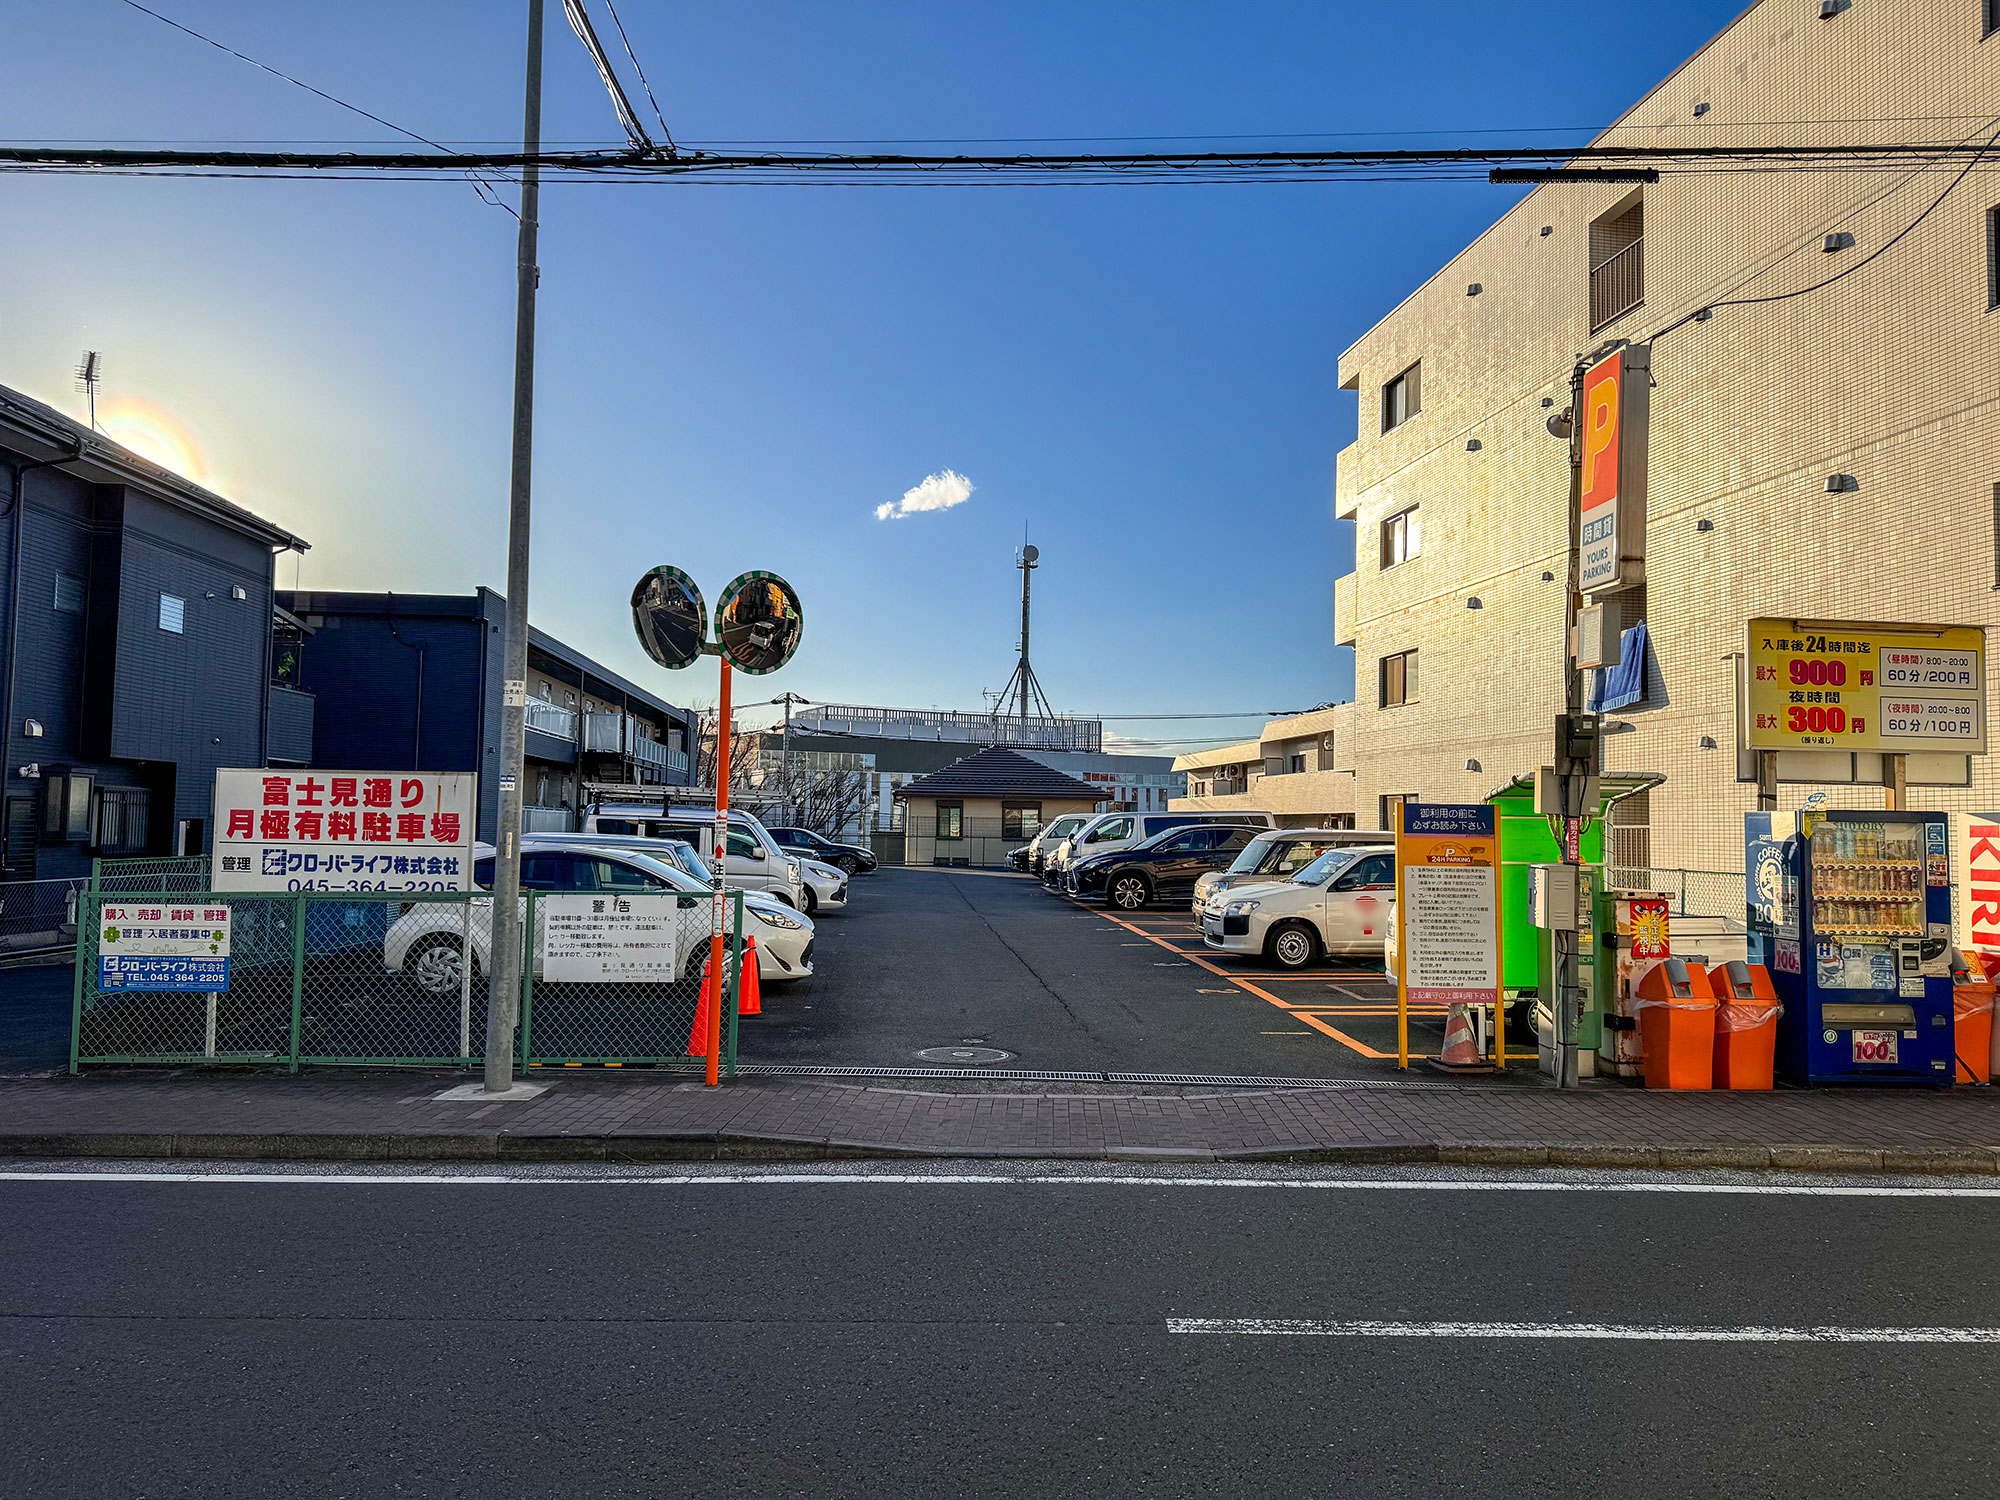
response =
{"points": [[1851, 912]]}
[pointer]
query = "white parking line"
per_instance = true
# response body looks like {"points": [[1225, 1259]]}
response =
{"points": [[1624, 1332]]}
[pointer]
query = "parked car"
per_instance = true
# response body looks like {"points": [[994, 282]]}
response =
{"points": [[755, 861], [425, 944], [822, 888], [1278, 855], [1106, 833], [1340, 903], [1164, 866], [1031, 855], [852, 858]]}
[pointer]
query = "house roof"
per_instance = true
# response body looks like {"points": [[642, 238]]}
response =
{"points": [[1000, 773], [93, 456]]}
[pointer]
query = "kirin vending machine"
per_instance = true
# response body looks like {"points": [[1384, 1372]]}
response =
{"points": [[1851, 912]]}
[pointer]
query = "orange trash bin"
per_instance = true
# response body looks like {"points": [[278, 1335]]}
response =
{"points": [[1746, 1025], [1677, 1025], [1973, 978]]}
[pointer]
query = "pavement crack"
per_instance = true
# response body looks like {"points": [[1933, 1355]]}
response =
{"points": [[1022, 959]]}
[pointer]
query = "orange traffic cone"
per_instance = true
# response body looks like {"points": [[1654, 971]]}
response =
{"points": [[1460, 1050], [749, 999], [698, 1032]]}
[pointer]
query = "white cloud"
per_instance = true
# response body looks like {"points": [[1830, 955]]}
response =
{"points": [[941, 491]]}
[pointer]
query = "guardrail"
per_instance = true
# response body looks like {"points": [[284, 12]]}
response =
{"points": [[379, 978]]}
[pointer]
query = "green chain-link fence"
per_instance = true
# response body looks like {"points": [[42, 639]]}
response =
{"points": [[380, 978]]}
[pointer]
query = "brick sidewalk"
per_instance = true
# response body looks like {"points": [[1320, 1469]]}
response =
{"points": [[612, 1116]]}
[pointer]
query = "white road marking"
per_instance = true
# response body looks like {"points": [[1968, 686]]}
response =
{"points": [[1627, 1332], [779, 1178]]}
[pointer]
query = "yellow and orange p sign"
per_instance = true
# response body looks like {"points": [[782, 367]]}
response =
{"points": [[1599, 545]]}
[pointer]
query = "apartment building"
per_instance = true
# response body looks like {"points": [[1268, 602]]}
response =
{"points": [[1291, 771], [1831, 454]]}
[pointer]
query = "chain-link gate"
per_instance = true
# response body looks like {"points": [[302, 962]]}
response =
{"points": [[381, 978]]}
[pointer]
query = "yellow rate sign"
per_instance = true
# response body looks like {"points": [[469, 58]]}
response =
{"points": [[1831, 685]]}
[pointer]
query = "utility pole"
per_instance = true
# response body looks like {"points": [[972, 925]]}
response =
{"points": [[503, 996], [1027, 583], [791, 806], [1575, 780]]}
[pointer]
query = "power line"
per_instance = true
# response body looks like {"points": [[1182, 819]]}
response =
{"points": [[484, 191], [579, 22], [665, 134]]}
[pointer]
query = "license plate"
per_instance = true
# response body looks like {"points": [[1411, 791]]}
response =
{"points": [[1212, 925], [1874, 1046]]}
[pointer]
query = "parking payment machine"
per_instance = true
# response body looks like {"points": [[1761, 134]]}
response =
{"points": [[1852, 915]]}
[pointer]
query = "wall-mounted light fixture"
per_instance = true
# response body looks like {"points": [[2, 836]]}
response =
{"points": [[1707, 742], [1700, 110], [1547, 230], [1842, 484], [1839, 240], [1474, 290], [1473, 603], [32, 729], [1547, 576], [1473, 765], [238, 592], [1547, 402], [1704, 524], [1703, 314], [1472, 445]]}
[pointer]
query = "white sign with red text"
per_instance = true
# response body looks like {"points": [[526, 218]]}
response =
{"points": [[284, 830]]}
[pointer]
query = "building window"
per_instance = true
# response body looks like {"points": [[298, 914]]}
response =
{"points": [[173, 614], [1402, 398], [1617, 262], [1398, 675], [122, 815], [1020, 820], [1392, 809], [951, 820], [1989, 17], [69, 594], [1297, 765], [1993, 247], [1402, 537], [1631, 829]]}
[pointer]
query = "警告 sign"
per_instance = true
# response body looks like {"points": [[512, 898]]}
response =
{"points": [[171, 946], [1829, 685], [343, 830], [1612, 498]]}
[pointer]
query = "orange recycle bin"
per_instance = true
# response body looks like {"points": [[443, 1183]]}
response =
{"points": [[1746, 1025], [1677, 1025], [1973, 977]]}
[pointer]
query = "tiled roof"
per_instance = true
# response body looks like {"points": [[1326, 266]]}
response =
{"points": [[1001, 773]]}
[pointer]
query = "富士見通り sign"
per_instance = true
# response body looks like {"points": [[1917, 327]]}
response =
{"points": [[176, 946], [343, 830], [1832, 685]]}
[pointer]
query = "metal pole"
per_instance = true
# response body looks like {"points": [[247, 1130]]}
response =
{"points": [[1027, 574], [791, 808], [713, 999], [503, 993], [1568, 997]]}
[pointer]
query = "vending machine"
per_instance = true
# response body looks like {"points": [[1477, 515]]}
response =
{"points": [[1851, 912]]}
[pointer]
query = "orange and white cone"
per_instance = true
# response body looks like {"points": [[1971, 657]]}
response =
{"points": [[1460, 1050], [749, 995]]}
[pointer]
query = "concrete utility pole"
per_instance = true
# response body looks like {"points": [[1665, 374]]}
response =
{"points": [[503, 995], [1568, 999]]}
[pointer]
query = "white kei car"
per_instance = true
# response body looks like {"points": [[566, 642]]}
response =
{"points": [[1340, 903], [425, 943]]}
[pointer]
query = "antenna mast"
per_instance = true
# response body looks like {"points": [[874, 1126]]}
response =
{"points": [[90, 370], [1022, 687]]}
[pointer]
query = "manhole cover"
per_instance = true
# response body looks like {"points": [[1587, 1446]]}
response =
{"points": [[966, 1055]]}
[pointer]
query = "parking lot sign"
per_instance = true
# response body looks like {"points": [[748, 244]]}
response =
{"points": [[1447, 909]]}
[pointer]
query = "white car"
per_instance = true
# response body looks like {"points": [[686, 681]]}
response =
{"points": [[826, 886], [753, 859], [1340, 903], [1278, 855], [425, 943], [821, 888]]}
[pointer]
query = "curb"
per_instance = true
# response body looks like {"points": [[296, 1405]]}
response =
{"points": [[719, 1147]]}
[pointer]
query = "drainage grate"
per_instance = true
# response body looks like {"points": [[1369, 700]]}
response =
{"points": [[1271, 1083], [1030, 1075]]}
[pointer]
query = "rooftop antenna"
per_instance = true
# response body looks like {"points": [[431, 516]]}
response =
{"points": [[90, 370], [1022, 687]]}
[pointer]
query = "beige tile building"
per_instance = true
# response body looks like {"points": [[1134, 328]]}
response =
{"points": [[1291, 771], [1889, 376]]}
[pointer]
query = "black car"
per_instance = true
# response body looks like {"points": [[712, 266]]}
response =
{"points": [[1165, 865], [852, 858]]}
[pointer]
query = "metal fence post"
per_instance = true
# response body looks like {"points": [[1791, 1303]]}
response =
{"points": [[76, 964], [735, 1005], [527, 977], [298, 971]]}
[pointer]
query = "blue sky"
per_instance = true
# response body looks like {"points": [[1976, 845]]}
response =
{"points": [[737, 377]]}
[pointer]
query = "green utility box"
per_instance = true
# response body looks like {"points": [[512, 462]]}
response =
{"points": [[1526, 840]]}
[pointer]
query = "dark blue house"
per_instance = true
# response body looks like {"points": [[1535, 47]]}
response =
{"points": [[411, 682], [137, 610]]}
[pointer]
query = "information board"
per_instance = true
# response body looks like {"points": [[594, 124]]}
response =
{"points": [[1829, 685], [1448, 904], [344, 830], [175, 946], [609, 939]]}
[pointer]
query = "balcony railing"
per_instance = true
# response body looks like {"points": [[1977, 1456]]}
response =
{"points": [[550, 719], [1618, 285]]}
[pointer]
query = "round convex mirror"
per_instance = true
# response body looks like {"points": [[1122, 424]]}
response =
{"points": [[759, 622], [670, 617]]}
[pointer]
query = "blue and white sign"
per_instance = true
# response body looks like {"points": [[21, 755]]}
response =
{"points": [[177, 947]]}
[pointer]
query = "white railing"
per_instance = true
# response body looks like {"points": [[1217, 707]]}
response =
{"points": [[551, 719], [604, 732], [648, 752]]}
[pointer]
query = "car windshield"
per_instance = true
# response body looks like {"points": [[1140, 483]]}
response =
{"points": [[652, 864], [1325, 867], [1061, 829], [1253, 855]]}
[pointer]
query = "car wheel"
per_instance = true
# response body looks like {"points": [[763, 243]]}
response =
{"points": [[1293, 946], [432, 967], [812, 901], [1130, 892], [850, 864]]}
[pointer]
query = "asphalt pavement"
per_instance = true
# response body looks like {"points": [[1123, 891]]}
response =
{"points": [[985, 1331], [925, 959]]}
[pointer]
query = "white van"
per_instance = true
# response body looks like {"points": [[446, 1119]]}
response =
{"points": [[755, 861], [1106, 833]]}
